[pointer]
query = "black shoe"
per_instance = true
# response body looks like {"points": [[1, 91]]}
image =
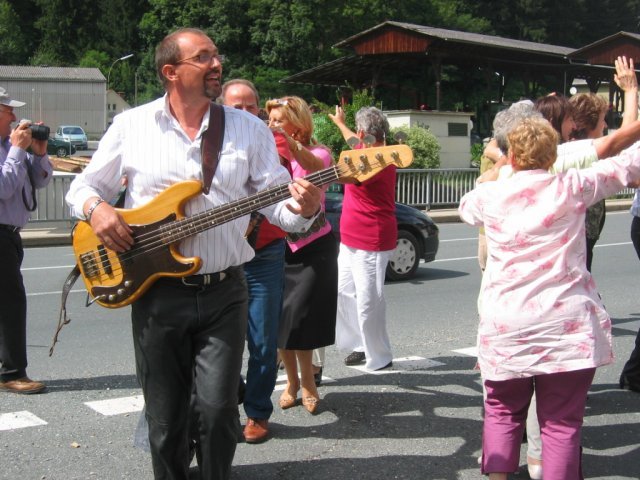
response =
{"points": [[317, 377], [626, 385], [388, 365], [355, 358]]}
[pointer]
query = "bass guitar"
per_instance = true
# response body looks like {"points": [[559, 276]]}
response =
{"points": [[117, 279]]}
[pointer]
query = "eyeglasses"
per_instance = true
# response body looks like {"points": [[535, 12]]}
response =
{"points": [[204, 58], [279, 101]]}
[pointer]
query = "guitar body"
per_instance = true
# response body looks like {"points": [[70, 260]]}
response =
{"points": [[117, 279]]}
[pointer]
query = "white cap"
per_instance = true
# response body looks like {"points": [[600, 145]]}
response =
{"points": [[5, 99]]}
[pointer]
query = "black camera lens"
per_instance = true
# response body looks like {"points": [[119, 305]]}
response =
{"points": [[39, 132]]}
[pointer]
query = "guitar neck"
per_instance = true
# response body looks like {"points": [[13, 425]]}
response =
{"points": [[186, 227]]}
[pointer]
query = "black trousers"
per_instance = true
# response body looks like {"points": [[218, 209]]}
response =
{"points": [[190, 339], [13, 308], [631, 369]]}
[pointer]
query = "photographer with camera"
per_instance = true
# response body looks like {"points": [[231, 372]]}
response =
{"points": [[21, 174]]}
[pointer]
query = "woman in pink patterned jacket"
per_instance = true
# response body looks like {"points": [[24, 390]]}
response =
{"points": [[542, 325]]}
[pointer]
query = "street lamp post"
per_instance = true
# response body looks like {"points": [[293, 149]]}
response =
{"points": [[106, 104], [114, 62]]}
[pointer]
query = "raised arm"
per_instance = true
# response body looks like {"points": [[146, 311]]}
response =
{"points": [[625, 78], [615, 142], [339, 120]]}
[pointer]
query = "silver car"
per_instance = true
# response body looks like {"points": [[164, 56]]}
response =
{"points": [[72, 134]]}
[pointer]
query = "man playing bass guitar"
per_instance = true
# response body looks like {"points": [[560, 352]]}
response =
{"points": [[188, 331]]}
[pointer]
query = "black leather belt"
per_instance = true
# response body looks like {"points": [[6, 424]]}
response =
{"points": [[204, 280], [11, 228]]}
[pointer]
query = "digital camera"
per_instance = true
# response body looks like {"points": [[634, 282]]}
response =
{"points": [[38, 132]]}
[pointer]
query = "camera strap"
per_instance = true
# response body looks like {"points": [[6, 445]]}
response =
{"points": [[34, 202]]}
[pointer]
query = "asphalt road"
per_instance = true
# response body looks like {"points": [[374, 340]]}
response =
{"points": [[420, 421]]}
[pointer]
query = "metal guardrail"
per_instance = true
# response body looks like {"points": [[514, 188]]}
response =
{"points": [[427, 189], [435, 187], [51, 204], [444, 188]]}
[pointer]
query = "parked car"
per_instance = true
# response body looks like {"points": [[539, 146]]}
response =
{"points": [[60, 148], [72, 134], [417, 235]]}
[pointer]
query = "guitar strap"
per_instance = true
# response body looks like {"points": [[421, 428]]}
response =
{"points": [[211, 148], [212, 145], [62, 317]]}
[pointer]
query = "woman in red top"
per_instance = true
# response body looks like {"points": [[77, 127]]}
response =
{"points": [[368, 234]]}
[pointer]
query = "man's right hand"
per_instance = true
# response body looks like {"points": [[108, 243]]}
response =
{"points": [[21, 136], [110, 227]]}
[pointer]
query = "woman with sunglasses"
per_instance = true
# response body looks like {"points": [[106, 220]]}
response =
{"points": [[311, 271]]}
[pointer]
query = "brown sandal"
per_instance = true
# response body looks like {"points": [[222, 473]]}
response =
{"points": [[311, 404], [287, 401]]}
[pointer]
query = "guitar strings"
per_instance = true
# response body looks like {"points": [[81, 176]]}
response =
{"points": [[185, 227]]}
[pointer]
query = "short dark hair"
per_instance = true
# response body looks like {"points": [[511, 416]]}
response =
{"points": [[555, 108]]}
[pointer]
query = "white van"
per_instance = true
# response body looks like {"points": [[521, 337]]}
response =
{"points": [[72, 134]]}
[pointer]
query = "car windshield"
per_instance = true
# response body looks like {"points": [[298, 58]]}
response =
{"points": [[73, 130]]}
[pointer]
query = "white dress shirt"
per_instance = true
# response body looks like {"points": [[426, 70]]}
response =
{"points": [[148, 145]]}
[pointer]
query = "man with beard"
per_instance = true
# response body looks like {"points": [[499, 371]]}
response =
{"points": [[188, 333]]}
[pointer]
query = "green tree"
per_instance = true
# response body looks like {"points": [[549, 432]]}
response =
{"points": [[14, 46], [66, 27], [95, 59]]}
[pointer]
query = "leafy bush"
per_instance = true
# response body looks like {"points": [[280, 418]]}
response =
{"points": [[326, 133], [476, 154], [425, 146]]}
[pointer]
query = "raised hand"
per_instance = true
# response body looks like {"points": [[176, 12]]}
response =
{"points": [[625, 76]]}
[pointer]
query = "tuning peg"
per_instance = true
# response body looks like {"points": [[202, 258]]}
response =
{"points": [[369, 140], [353, 141], [400, 137]]}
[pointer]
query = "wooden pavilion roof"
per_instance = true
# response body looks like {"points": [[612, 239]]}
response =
{"points": [[409, 48]]}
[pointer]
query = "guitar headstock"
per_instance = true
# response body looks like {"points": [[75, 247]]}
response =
{"points": [[364, 163]]}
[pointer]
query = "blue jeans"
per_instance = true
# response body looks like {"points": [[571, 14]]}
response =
{"points": [[265, 279]]}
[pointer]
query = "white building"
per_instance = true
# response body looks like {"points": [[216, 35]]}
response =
{"points": [[115, 105], [451, 129], [59, 96]]}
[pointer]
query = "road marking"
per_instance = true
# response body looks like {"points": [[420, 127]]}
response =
{"points": [[475, 257], [470, 351], [53, 293], [613, 244], [46, 268], [402, 364], [118, 406], [13, 420], [459, 240]]}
